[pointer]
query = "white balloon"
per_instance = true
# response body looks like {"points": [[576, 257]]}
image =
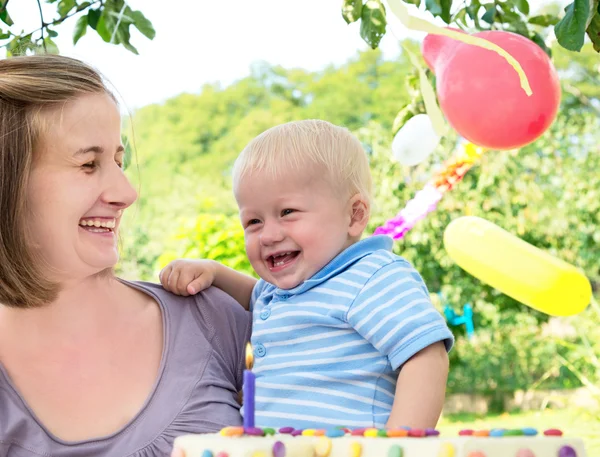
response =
{"points": [[415, 141]]}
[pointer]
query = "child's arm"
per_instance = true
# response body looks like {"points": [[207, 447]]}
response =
{"points": [[188, 277], [420, 389]]}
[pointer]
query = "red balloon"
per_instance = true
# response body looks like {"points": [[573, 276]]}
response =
{"points": [[480, 93]]}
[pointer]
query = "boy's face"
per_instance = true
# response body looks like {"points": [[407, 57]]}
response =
{"points": [[293, 225]]}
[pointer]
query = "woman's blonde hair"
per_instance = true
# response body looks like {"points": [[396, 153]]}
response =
{"points": [[29, 85], [309, 146]]}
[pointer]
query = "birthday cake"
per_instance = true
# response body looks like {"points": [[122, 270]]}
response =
{"points": [[287, 442]]}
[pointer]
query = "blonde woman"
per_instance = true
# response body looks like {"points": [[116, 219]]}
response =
{"points": [[91, 365]]}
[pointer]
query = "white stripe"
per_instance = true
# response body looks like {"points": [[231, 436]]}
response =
{"points": [[346, 282], [413, 333], [309, 304], [408, 307], [363, 274], [335, 293], [405, 322], [387, 274], [381, 293], [321, 390], [290, 328], [318, 419], [316, 337], [300, 363], [380, 257], [289, 354], [370, 264], [384, 306], [345, 381], [316, 404]]}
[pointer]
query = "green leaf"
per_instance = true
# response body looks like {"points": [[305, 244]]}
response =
{"points": [[539, 40], [402, 117], [373, 22], [523, 6], [123, 36], [142, 24], [593, 31], [439, 8], [93, 18], [5, 17], [104, 28], [65, 7], [80, 27], [351, 10], [417, 3], [127, 155], [50, 46], [544, 20], [490, 14], [570, 30], [51, 33]]}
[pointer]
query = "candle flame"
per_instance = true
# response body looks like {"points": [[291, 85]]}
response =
{"points": [[249, 356]]}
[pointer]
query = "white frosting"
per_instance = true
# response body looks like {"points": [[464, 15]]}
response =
{"points": [[303, 446]]}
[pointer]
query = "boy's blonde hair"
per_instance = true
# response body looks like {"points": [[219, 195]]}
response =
{"points": [[309, 145]]}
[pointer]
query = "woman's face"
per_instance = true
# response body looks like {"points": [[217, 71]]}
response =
{"points": [[77, 190]]}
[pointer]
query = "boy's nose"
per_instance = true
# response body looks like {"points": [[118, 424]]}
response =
{"points": [[271, 233]]}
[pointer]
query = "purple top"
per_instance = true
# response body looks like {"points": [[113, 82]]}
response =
{"points": [[196, 390]]}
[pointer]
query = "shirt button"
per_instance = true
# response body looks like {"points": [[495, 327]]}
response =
{"points": [[265, 313], [285, 296], [260, 350]]}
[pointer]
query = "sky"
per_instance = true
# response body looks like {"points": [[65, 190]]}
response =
{"points": [[205, 41]]}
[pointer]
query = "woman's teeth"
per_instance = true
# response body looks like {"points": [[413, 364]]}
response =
{"points": [[110, 224]]}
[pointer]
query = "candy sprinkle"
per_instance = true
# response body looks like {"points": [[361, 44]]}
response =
{"points": [[355, 449], [529, 431], [286, 429], [466, 432], [370, 433], [334, 433], [447, 450], [567, 451], [431, 432], [525, 452], [553, 432], [476, 454], [397, 433], [232, 431], [254, 431], [207, 453], [278, 449], [269, 431], [222, 454], [395, 451], [323, 447], [481, 433]]}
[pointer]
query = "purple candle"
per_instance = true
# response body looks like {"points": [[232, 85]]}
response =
{"points": [[248, 389]]}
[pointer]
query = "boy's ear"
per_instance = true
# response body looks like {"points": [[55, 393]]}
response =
{"points": [[359, 215]]}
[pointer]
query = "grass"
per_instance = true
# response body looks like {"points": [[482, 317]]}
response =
{"points": [[573, 422]]}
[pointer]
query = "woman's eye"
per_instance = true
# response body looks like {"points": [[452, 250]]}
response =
{"points": [[90, 165], [287, 211]]}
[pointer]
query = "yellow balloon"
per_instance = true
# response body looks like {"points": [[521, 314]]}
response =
{"points": [[516, 268]]}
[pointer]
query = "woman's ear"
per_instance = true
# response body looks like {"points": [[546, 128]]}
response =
{"points": [[359, 215]]}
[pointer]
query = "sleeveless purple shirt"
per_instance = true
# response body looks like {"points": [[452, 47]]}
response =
{"points": [[196, 390]]}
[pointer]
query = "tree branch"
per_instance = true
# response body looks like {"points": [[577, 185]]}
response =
{"points": [[58, 21], [43, 25]]}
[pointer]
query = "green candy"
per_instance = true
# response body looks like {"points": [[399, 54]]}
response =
{"points": [[516, 432], [382, 433], [395, 451], [269, 431]]}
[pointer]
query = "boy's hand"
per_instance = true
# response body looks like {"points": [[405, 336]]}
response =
{"points": [[188, 277]]}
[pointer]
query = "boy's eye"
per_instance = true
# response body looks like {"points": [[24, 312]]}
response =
{"points": [[253, 221], [287, 211]]}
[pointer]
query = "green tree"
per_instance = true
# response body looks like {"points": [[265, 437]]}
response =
{"points": [[111, 19]]}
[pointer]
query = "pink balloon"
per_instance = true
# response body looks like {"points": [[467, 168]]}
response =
{"points": [[480, 93]]}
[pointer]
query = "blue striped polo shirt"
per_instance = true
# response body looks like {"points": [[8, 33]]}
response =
{"points": [[328, 352]]}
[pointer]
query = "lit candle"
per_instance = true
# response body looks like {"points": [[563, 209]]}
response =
{"points": [[248, 389]]}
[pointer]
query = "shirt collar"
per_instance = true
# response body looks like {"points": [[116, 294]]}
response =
{"points": [[341, 262]]}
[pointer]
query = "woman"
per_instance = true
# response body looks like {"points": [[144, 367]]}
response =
{"points": [[91, 365]]}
